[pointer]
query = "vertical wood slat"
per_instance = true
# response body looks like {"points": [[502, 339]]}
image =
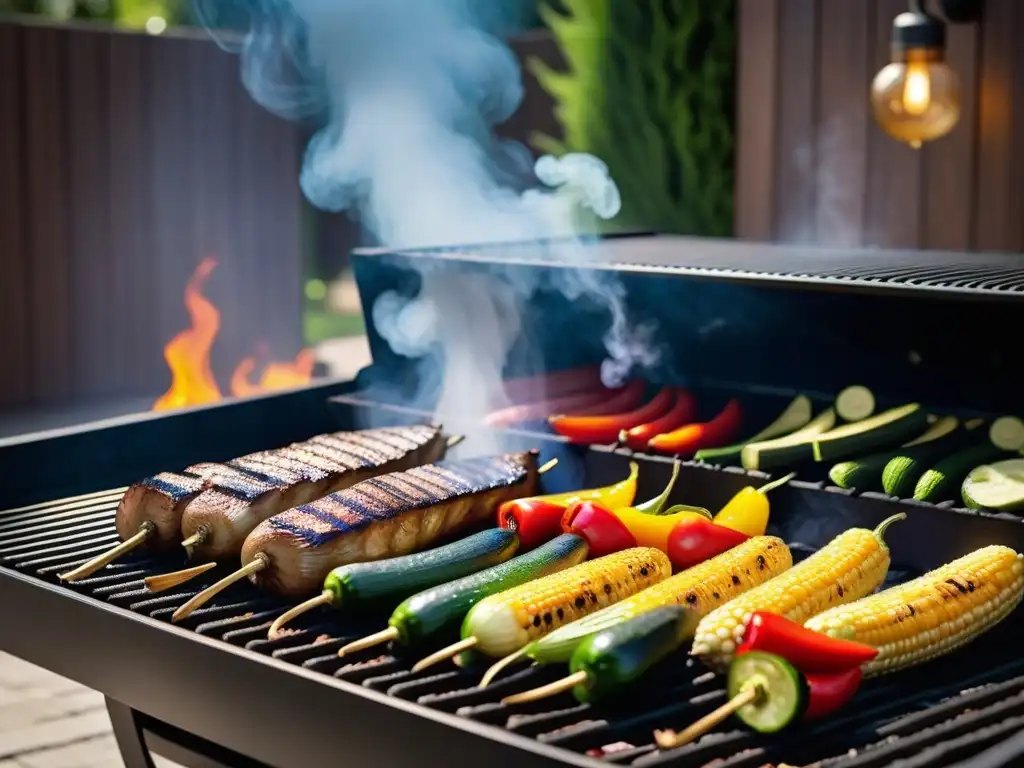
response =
{"points": [[846, 45], [757, 89], [46, 206], [96, 279], [796, 138], [894, 182], [15, 383]]}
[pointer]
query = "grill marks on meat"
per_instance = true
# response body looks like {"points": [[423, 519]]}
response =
{"points": [[385, 516], [229, 499]]}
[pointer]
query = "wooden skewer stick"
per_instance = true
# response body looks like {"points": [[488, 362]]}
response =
{"points": [[170, 580], [671, 739], [455, 440], [776, 483], [146, 530], [551, 689], [377, 638], [499, 665], [445, 653], [547, 466], [324, 598], [212, 591], [195, 540]]}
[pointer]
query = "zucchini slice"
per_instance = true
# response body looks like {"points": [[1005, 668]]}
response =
{"points": [[795, 416], [782, 696], [855, 403], [998, 487], [900, 476], [943, 481], [791, 449], [1007, 432], [890, 427]]}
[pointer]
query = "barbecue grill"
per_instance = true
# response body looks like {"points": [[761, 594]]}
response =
{"points": [[764, 321]]}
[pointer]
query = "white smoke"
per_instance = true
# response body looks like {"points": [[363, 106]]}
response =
{"points": [[412, 90]]}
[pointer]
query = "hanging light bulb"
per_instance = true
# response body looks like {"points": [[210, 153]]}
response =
{"points": [[917, 98]]}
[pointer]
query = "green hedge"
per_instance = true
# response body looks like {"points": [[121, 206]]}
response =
{"points": [[649, 88]]}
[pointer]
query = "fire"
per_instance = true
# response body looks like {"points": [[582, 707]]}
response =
{"points": [[188, 357]]}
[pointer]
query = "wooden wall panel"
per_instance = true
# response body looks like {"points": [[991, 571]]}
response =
{"points": [[965, 191]]}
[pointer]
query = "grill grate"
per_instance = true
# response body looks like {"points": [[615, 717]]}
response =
{"points": [[932, 716]]}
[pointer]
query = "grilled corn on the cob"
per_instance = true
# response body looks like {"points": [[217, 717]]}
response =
{"points": [[933, 614], [506, 622], [849, 567]]}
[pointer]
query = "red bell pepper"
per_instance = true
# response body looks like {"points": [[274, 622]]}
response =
{"points": [[535, 520], [682, 412], [605, 429], [692, 542], [809, 651], [827, 693], [687, 440], [603, 531]]}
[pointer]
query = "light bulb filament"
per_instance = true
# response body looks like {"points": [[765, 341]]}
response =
{"points": [[917, 91]]}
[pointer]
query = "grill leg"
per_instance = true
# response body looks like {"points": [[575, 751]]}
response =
{"points": [[133, 748]]}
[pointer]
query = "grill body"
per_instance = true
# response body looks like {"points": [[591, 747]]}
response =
{"points": [[215, 691]]}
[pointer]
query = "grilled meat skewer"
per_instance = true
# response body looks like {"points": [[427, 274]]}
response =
{"points": [[226, 501], [291, 553]]}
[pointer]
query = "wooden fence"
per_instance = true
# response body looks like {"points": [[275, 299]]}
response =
{"points": [[812, 165]]}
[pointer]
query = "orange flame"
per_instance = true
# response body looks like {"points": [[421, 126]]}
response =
{"points": [[188, 357]]}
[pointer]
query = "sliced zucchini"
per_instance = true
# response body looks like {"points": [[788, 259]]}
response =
{"points": [[796, 415], [998, 487], [855, 403], [866, 474], [890, 427], [782, 692], [791, 449], [1007, 432], [905, 468], [943, 481]]}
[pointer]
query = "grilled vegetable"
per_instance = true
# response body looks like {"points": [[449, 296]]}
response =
{"points": [[808, 651], [891, 427], [682, 412], [931, 615], [855, 403], [789, 450], [604, 532], [865, 473], [692, 542], [506, 622], [535, 411], [539, 518], [398, 577], [689, 439], [621, 400], [700, 590], [605, 429], [554, 384], [998, 487], [795, 416], [292, 553], [747, 511], [850, 566], [214, 506], [647, 530], [943, 481], [435, 612], [901, 473]]}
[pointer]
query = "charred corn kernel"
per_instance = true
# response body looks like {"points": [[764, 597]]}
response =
{"points": [[850, 566], [700, 589], [933, 614], [506, 622]]}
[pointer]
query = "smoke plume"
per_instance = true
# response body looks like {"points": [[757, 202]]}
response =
{"points": [[410, 92]]}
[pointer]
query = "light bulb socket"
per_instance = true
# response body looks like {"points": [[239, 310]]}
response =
{"points": [[917, 29]]}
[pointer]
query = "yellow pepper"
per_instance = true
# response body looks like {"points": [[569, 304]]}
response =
{"points": [[653, 530], [621, 494], [747, 511]]}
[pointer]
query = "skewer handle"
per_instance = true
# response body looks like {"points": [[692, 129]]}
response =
{"points": [[198, 601], [551, 689], [170, 580], [85, 570], [449, 652], [377, 638], [547, 466], [324, 598], [671, 739]]}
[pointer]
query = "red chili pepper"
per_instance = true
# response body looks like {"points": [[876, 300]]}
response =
{"points": [[809, 651], [623, 399], [606, 429], [827, 693], [515, 414], [711, 434], [535, 520], [692, 542], [553, 385], [682, 412], [603, 531]]}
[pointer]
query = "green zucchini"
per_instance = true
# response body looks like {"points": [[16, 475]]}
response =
{"points": [[890, 427], [943, 481], [783, 691], [855, 404], [997, 487], [795, 416], [440, 610], [789, 450], [904, 469], [865, 474]]}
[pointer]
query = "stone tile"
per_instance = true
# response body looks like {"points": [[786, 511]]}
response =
{"points": [[38, 710], [98, 752], [15, 673], [53, 733]]}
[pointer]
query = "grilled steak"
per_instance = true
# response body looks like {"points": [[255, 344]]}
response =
{"points": [[386, 516]]}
